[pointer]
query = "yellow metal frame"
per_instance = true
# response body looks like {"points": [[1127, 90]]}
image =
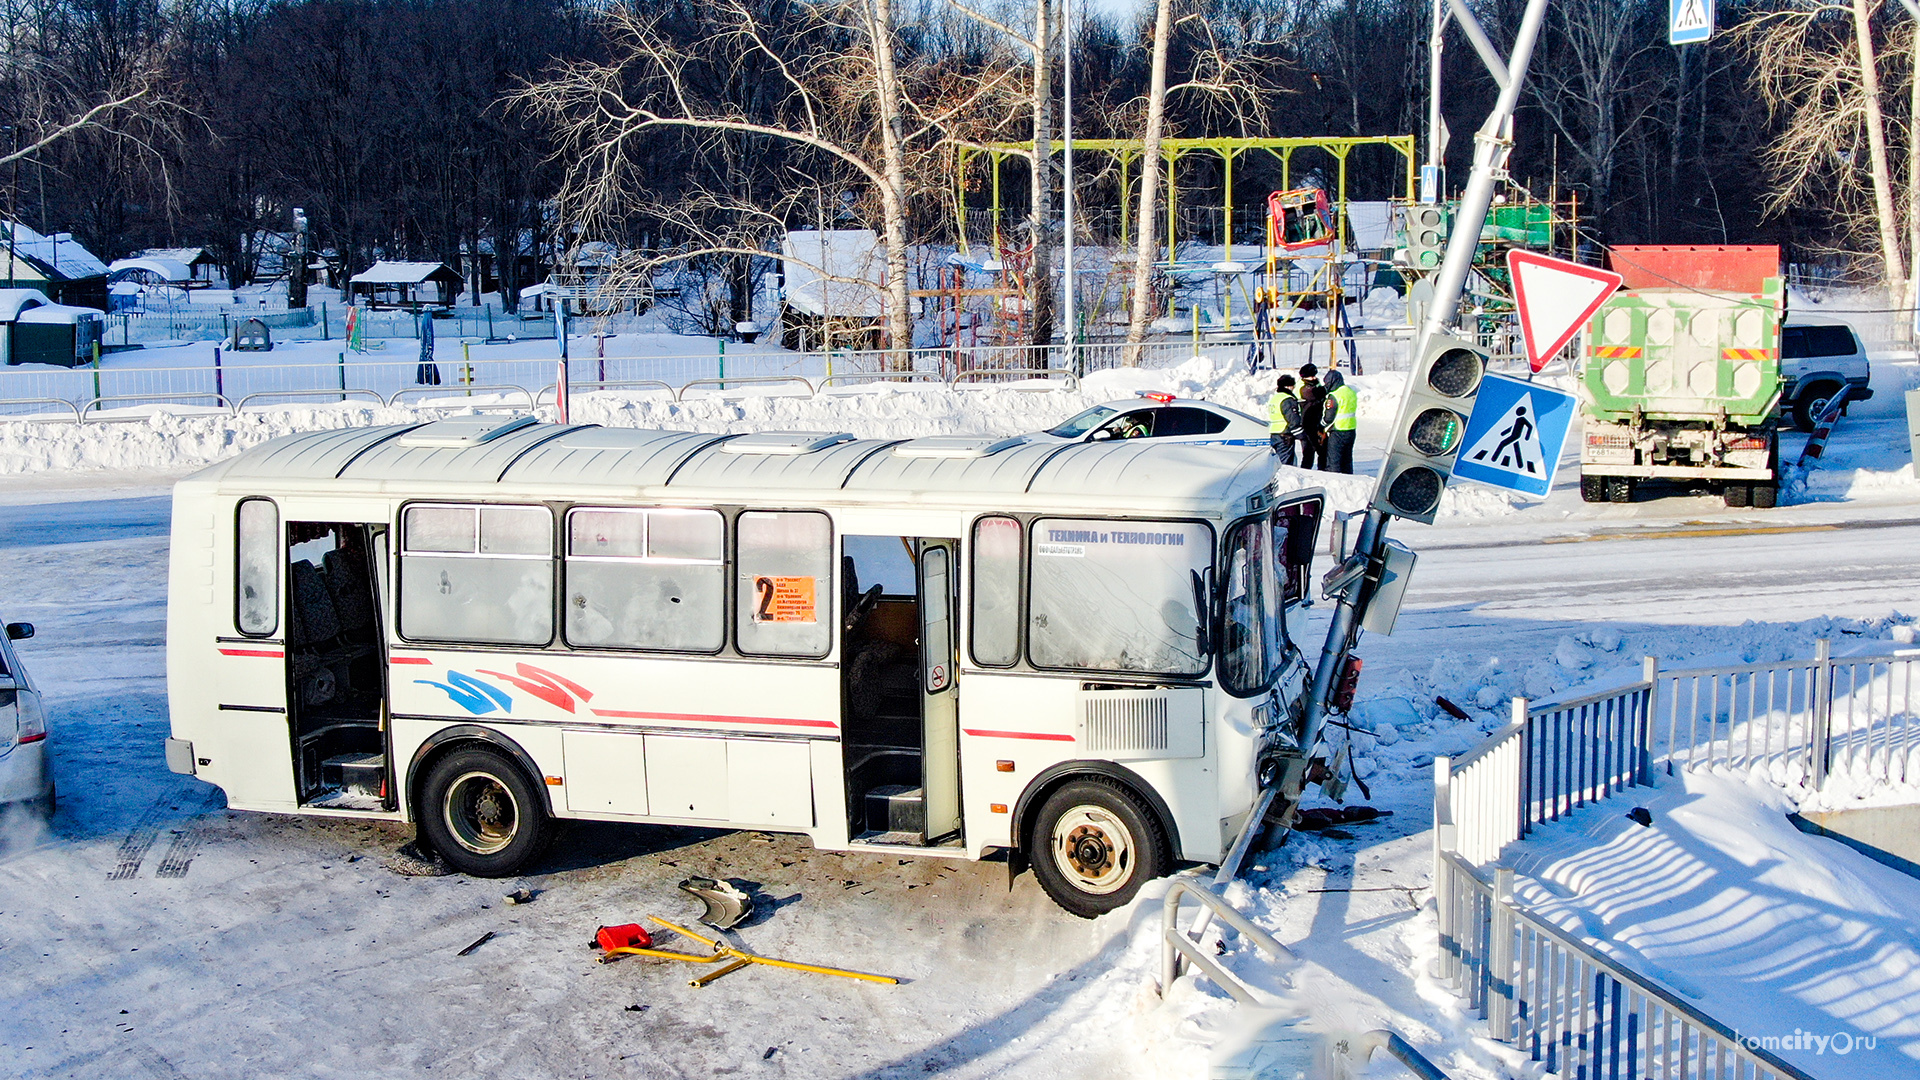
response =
{"points": [[1130, 150]]}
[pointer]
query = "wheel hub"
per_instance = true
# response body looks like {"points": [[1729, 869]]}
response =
{"points": [[1094, 849], [481, 813]]}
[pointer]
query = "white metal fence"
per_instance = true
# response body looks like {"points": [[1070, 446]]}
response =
{"points": [[1800, 723]]}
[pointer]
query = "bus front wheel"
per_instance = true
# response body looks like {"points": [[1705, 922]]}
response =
{"points": [[481, 813], [1098, 842]]}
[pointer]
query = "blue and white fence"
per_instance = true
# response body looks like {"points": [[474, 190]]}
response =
{"points": [[1800, 723]]}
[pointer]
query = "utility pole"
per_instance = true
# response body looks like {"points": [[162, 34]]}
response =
{"points": [[1066, 180], [13, 207]]}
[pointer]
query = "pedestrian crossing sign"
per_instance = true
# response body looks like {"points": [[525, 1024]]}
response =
{"points": [[1689, 22], [1515, 435]]}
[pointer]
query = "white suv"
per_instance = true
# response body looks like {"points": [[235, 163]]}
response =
{"points": [[1817, 357], [25, 776]]}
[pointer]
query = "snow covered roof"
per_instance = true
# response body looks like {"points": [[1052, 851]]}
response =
{"points": [[551, 459], [14, 301], [59, 253], [404, 273], [186, 255], [165, 269]]}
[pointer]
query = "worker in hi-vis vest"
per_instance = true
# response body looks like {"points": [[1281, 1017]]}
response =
{"points": [[1283, 419], [1342, 418]]}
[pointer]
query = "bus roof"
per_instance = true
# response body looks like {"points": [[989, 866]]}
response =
{"points": [[476, 456]]}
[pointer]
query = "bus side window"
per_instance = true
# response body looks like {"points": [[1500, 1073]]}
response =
{"points": [[257, 578], [784, 599], [646, 579], [477, 573], [996, 591]]}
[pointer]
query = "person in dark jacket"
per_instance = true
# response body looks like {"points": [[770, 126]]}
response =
{"points": [[1283, 419], [1312, 403]]}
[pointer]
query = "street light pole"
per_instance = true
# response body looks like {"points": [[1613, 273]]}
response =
{"points": [[1066, 155]]}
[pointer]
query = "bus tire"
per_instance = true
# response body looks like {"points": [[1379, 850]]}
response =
{"points": [[1095, 843], [481, 813]]}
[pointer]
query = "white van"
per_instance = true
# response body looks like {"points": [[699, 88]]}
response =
{"points": [[945, 646]]}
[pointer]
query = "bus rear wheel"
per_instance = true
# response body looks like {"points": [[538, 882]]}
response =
{"points": [[1098, 843], [481, 813]]}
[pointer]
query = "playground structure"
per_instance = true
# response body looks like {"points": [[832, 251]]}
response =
{"points": [[1319, 248], [1220, 294]]}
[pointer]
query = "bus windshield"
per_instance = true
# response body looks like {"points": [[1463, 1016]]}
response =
{"points": [[1083, 423]]}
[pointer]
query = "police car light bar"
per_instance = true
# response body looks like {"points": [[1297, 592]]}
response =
{"points": [[1160, 396]]}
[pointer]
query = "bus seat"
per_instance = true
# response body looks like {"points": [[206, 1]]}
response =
{"points": [[347, 582], [314, 619]]}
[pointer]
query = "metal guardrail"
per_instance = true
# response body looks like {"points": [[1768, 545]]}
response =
{"points": [[1800, 721], [1550, 760], [151, 399], [550, 393], [1554, 997], [724, 385], [456, 390], [341, 394], [1349, 1052], [1022, 374], [878, 376], [62, 402], [1174, 945]]}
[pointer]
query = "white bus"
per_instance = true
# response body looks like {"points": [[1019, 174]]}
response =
{"points": [[943, 646]]}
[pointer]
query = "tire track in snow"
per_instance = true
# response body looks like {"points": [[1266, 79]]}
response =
{"points": [[187, 841], [140, 839]]}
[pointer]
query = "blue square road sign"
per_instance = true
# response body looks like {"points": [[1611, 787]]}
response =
{"points": [[1689, 22], [1515, 435]]}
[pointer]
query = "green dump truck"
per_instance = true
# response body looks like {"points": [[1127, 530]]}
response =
{"points": [[1682, 375]]}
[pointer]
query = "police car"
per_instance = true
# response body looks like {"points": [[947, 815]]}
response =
{"points": [[1161, 416]]}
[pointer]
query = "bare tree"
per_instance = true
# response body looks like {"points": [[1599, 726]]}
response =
{"points": [[1815, 66], [1142, 311], [843, 105]]}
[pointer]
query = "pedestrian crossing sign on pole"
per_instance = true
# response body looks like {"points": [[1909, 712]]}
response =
{"points": [[1515, 435], [1689, 22]]}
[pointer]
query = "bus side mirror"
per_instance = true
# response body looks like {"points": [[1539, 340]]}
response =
{"points": [[19, 631]]}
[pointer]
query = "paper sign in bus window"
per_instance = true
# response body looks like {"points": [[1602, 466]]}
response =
{"points": [[783, 599]]}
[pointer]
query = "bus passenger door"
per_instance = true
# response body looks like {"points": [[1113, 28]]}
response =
{"points": [[940, 708]]}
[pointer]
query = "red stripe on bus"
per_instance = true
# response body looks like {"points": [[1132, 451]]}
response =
{"points": [[25, 739], [626, 714], [252, 652], [1018, 735], [409, 660]]}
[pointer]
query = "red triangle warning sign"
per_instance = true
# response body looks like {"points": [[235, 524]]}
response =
{"points": [[1555, 298]]}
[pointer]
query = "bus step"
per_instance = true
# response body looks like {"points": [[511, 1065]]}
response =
{"points": [[355, 772], [896, 808]]}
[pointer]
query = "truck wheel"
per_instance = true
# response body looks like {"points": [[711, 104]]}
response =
{"points": [[1811, 401], [1766, 496], [481, 813], [1736, 494], [1096, 844], [1619, 489], [1593, 488]]}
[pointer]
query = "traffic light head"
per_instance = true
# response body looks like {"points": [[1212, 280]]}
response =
{"points": [[1427, 228], [1433, 418]]}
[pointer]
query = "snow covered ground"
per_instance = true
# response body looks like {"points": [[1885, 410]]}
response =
{"points": [[245, 945]]}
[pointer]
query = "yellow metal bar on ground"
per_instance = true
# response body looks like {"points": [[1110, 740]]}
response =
{"points": [[722, 949]]}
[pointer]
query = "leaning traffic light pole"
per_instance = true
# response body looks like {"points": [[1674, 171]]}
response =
{"points": [[1441, 383]]}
